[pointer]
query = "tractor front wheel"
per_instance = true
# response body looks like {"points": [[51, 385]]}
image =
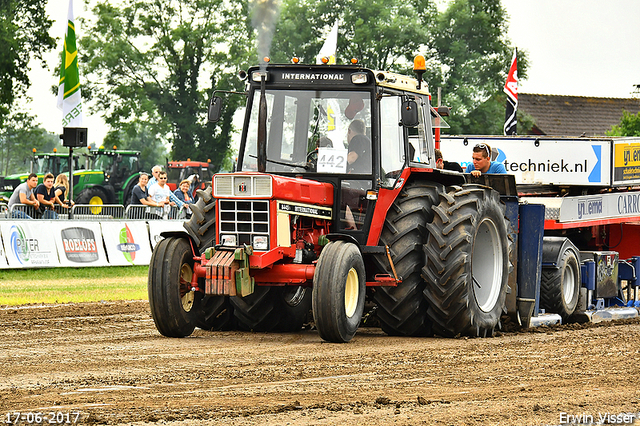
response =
{"points": [[338, 291], [174, 307]]}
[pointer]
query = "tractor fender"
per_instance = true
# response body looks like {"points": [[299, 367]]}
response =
{"points": [[181, 234], [553, 248], [335, 236]]}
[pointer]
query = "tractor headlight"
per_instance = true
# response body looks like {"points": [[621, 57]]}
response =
{"points": [[229, 240], [260, 242]]}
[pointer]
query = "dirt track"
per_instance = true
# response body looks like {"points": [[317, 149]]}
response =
{"points": [[107, 361]]}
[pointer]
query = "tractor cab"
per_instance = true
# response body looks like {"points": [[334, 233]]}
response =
{"points": [[349, 126], [55, 163]]}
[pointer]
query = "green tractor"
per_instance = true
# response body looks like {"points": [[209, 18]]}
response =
{"points": [[109, 179], [107, 176], [41, 164]]}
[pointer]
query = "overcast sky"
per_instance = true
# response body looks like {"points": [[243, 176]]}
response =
{"points": [[575, 47]]}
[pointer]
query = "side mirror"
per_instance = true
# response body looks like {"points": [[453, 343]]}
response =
{"points": [[409, 114], [215, 108]]}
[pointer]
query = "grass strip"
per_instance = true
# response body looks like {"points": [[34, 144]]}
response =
{"points": [[63, 285]]}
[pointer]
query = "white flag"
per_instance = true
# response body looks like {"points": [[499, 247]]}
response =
{"points": [[69, 100], [329, 47]]}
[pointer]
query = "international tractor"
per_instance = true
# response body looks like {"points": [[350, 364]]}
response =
{"points": [[337, 201]]}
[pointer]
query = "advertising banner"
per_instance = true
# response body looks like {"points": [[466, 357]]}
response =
{"points": [[626, 161], [79, 243], [541, 160], [28, 244], [600, 206], [158, 226], [3, 256], [127, 243]]}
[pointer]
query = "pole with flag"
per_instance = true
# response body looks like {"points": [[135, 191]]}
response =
{"points": [[511, 89], [69, 100], [329, 47]]}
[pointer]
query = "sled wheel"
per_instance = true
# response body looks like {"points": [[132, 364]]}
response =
{"points": [[467, 262], [338, 291], [559, 287], [402, 310], [173, 305]]}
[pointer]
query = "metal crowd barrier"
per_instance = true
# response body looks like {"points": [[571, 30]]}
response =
{"points": [[141, 212], [98, 212]]}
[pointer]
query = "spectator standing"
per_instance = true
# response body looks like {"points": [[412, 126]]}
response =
{"points": [[140, 196], [482, 161], [160, 192], [46, 197], [61, 190], [155, 171], [23, 194], [154, 175], [182, 194]]}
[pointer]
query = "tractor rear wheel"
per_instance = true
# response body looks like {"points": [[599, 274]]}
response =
{"points": [[173, 305], [201, 226], [467, 262], [402, 310], [559, 287], [338, 291], [94, 197], [272, 309]]}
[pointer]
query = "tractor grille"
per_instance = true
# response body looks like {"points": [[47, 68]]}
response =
{"points": [[245, 219]]}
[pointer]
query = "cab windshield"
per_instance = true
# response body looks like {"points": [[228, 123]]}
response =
{"points": [[314, 131]]}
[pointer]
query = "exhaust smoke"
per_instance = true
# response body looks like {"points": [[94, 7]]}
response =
{"points": [[264, 15]]}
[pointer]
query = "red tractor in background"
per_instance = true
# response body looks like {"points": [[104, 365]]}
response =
{"points": [[200, 173], [336, 199]]}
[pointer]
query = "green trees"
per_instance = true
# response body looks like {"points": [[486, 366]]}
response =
{"points": [[24, 34], [150, 63], [467, 51], [629, 125], [18, 136], [471, 60]]}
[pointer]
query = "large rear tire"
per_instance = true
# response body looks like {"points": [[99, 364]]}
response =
{"points": [[201, 226], [338, 291], [467, 262], [560, 287], [272, 309], [402, 310], [173, 305]]}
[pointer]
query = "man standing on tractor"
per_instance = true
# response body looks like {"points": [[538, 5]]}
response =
{"points": [[482, 161]]}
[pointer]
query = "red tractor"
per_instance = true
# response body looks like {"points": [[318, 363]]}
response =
{"points": [[200, 173], [336, 199]]}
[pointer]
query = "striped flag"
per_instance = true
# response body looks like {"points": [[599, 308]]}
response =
{"points": [[69, 100], [511, 89]]}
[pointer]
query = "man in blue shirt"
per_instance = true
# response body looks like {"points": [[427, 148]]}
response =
{"points": [[482, 161]]}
